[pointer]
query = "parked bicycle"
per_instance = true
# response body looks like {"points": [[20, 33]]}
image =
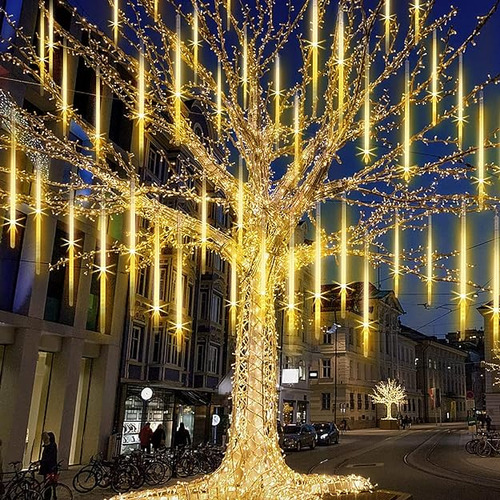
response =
{"points": [[22, 485]]}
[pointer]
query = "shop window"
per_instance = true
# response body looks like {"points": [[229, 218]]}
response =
{"points": [[213, 359], [325, 400], [326, 368], [131, 424], [136, 336]]}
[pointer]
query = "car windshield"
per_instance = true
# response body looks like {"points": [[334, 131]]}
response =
{"points": [[322, 427], [292, 429]]}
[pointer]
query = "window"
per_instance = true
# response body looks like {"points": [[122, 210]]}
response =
{"points": [[351, 369], [190, 301], [216, 312], [326, 368], [142, 281], [359, 401], [173, 355], [351, 335], [135, 342], [367, 402], [200, 357], [204, 304], [351, 400], [325, 400], [213, 359], [163, 283], [156, 356], [327, 337], [302, 371], [155, 162]]}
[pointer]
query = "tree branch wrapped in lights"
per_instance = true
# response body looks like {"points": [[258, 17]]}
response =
{"points": [[287, 141]]}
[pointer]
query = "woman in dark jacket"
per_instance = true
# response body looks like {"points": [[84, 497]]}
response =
{"points": [[48, 462]]}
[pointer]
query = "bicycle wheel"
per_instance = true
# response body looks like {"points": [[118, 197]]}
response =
{"points": [[483, 449], [154, 473], [121, 480], [59, 491], [28, 495], [470, 446], [85, 480]]}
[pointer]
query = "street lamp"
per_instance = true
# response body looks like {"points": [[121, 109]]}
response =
{"points": [[334, 329]]}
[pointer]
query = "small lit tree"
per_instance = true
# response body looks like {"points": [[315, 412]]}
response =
{"points": [[388, 393]]}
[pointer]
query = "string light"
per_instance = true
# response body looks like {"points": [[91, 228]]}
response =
{"points": [[241, 202], [389, 393]]}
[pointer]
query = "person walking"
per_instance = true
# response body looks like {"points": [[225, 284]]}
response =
{"points": [[182, 437], [145, 437], [487, 419], [48, 462], [158, 438]]}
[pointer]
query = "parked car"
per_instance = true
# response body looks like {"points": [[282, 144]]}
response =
{"points": [[297, 436], [327, 432]]}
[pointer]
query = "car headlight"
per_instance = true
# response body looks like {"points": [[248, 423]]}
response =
{"points": [[324, 436]]}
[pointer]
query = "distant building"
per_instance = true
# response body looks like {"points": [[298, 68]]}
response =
{"points": [[491, 355], [473, 345], [440, 376]]}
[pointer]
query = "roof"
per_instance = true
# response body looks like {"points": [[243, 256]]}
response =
{"points": [[419, 337]]}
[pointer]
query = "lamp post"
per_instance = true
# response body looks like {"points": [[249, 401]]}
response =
{"points": [[334, 329]]}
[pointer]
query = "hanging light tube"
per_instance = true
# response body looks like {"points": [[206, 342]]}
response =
{"points": [[480, 151], [407, 117], [430, 263], [179, 295], [141, 106], [397, 253], [343, 260], [317, 274], [233, 296], [116, 22], [156, 273], [463, 272], [340, 65], [244, 69], [178, 79], [366, 297], [315, 55], [51, 38], [434, 81], [204, 224], [496, 285], [103, 270], [366, 148], [219, 98], [12, 179], [41, 49], [277, 124], [132, 248], [291, 280], [71, 248], [460, 100], [297, 133], [416, 18], [98, 113], [241, 200], [387, 24], [38, 218], [196, 42]]}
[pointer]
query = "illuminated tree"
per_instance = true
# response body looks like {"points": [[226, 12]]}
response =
{"points": [[275, 158], [388, 393]]}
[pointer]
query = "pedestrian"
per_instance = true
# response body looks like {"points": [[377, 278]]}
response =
{"points": [[158, 438], [182, 437], [48, 462], [407, 422], [488, 422], [145, 437]]}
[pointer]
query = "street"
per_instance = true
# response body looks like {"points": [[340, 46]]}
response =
{"points": [[427, 461]]}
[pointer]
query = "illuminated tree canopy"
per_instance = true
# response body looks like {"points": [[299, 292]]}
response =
{"points": [[389, 392], [274, 156]]}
